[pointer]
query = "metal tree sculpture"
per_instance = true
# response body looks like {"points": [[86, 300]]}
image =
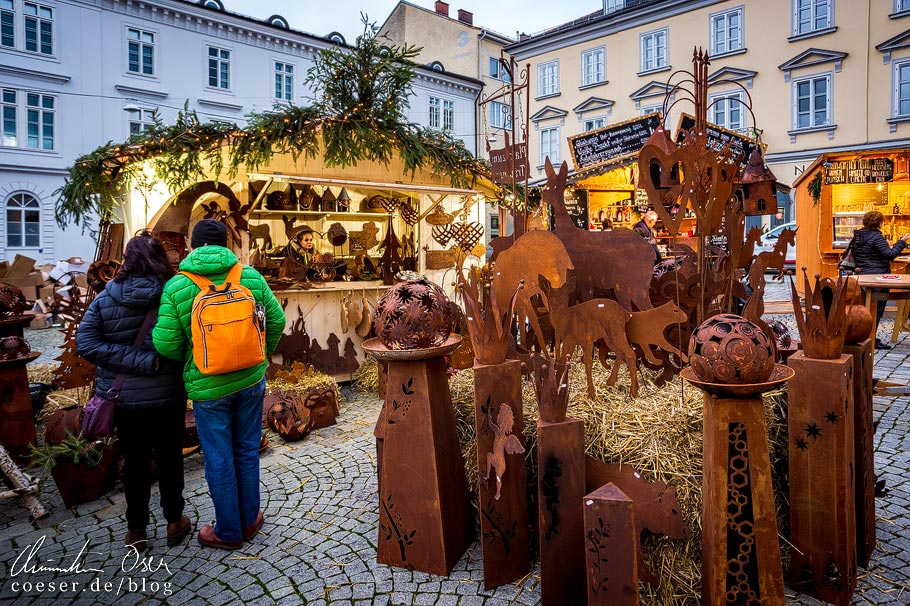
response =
{"points": [[823, 326], [488, 325]]}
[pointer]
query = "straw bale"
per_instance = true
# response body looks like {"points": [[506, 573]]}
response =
{"points": [[41, 373], [367, 376]]}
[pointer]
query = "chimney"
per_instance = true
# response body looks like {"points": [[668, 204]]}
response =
{"points": [[442, 8], [466, 16], [523, 36]]}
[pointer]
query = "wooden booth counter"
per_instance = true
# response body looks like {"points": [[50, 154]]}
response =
{"points": [[326, 325]]}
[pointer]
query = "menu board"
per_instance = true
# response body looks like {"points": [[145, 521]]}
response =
{"points": [[612, 143], [719, 137], [577, 208], [860, 170]]}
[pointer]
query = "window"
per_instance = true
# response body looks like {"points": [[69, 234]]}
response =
{"points": [[901, 6], [39, 28], [592, 66], [901, 102], [140, 120], [7, 24], [40, 121], [595, 123], [500, 116], [448, 115], [549, 145], [8, 106], [23, 221], [433, 118], [284, 81], [140, 51], [654, 50], [811, 16], [650, 109], [219, 68], [496, 70], [727, 31], [726, 110], [547, 79], [612, 6], [812, 102]]}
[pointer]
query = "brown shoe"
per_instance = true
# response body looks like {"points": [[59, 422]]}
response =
{"points": [[250, 531], [208, 538], [136, 539], [176, 531]]}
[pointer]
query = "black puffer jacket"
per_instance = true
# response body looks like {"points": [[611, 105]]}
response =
{"points": [[106, 336], [872, 253]]}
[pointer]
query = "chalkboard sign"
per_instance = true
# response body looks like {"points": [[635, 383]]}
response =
{"points": [[612, 143], [719, 137], [860, 170], [578, 208]]}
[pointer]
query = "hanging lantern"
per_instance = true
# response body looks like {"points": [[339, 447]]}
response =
{"points": [[344, 200], [759, 187]]}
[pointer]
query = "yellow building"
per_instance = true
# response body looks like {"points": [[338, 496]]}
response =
{"points": [[823, 75]]}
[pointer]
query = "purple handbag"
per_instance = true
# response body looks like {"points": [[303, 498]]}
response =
{"points": [[98, 413]]}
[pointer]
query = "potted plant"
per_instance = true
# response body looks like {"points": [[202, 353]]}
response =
{"points": [[83, 470]]}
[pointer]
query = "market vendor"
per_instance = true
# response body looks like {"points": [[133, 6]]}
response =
{"points": [[645, 229]]}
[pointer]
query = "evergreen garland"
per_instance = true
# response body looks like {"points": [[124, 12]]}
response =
{"points": [[360, 116]]}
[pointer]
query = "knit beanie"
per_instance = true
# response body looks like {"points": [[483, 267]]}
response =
{"points": [[209, 231]]}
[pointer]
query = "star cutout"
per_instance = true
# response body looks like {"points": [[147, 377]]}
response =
{"points": [[801, 444], [813, 430], [832, 417]]}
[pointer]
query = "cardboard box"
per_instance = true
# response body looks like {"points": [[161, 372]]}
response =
{"points": [[21, 267], [26, 285], [40, 321]]}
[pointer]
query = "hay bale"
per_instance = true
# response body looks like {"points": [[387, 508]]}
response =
{"points": [[367, 376], [659, 433]]}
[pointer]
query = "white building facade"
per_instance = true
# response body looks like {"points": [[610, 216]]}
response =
{"points": [[75, 74]]}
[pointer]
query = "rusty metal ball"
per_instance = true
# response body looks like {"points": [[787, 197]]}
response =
{"points": [[781, 333], [730, 349], [12, 302], [413, 315], [13, 348], [859, 324]]}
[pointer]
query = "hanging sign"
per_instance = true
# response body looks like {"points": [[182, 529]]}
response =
{"points": [[719, 137], [510, 164], [860, 170], [612, 143]]}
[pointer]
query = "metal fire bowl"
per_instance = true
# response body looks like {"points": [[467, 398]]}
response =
{"points": [[376, 348], [780, 375]]}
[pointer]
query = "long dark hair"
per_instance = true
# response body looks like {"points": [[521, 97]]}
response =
{"points": [[144, 256]]}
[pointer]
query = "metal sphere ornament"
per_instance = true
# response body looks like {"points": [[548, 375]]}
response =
{"points": [[782, 337], [859, 324], [12, 302], [413, 315], [730, 349], [13, 348]]}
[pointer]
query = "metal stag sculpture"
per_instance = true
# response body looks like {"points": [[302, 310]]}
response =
{"points": [[823, 326], [504, 442]]}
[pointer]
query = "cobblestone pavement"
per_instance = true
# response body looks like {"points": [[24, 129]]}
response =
{"points": [[318, 544]]}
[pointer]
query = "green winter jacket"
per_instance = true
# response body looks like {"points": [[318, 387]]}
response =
{"points": [[172, 335]]}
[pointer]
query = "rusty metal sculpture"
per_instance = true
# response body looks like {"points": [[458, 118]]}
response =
{"points": [[488, 325], [297, 346], [12, 302], [287, 415], [648, 330], [504, 442], [390, 263], [100, 273], [863, 449], [655, 504], [467, 235], [628, 282], [13, 348], [823, 326], [535, 253], [550, 381], [17, 429], [584, 324], [729, 349], [859, 324], [610, 538], [413, 315]]}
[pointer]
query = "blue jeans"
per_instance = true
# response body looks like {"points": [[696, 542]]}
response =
{"points": [[229, 431]]}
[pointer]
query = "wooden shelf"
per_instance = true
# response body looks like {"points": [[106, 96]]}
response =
{"points": [[264, 214]]}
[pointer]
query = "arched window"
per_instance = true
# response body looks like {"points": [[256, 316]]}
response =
{"points": [[335, 38], [216, 4], [23, 221], [436, 66]]}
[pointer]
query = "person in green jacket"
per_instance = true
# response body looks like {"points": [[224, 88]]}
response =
{"points": [[228, 407]]}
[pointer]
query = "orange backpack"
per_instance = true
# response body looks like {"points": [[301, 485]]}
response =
{"points": [[228, 326]]}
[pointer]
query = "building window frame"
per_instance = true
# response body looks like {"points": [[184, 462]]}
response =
{"points": [[549, 145], [809, 110], [594, 66], [726, 31], [284, 80], [498, 70], [812, 16], [500, 116], [448, 115], [548, 79], [218, 68], [653, 50], [434, 112], [8, 24], [650, 109], [38, 28], [901, 8], [140, 119], [140, 43], [611, 6], [900, 84], [40, 121], [594, 123], [726, 109], [25, 232], [9, 117]]}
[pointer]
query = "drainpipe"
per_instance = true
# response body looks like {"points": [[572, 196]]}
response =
{"points": [[477, 110]]}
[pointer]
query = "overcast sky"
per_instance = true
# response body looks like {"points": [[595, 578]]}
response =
{"points": [[503, 16]]}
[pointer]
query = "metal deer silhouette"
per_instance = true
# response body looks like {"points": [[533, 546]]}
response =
{"points": [[504, 442]]}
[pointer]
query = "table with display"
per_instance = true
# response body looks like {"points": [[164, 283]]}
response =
{"points": [[883, 287]]}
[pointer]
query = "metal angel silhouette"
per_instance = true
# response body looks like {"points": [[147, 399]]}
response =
{"points": [[503, 442]]}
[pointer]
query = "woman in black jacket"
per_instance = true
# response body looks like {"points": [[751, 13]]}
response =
{"points": [[873, 255], [150, 416]]}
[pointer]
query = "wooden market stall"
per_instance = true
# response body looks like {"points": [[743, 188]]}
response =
{"points": [[368, 217], [836, 190]]}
